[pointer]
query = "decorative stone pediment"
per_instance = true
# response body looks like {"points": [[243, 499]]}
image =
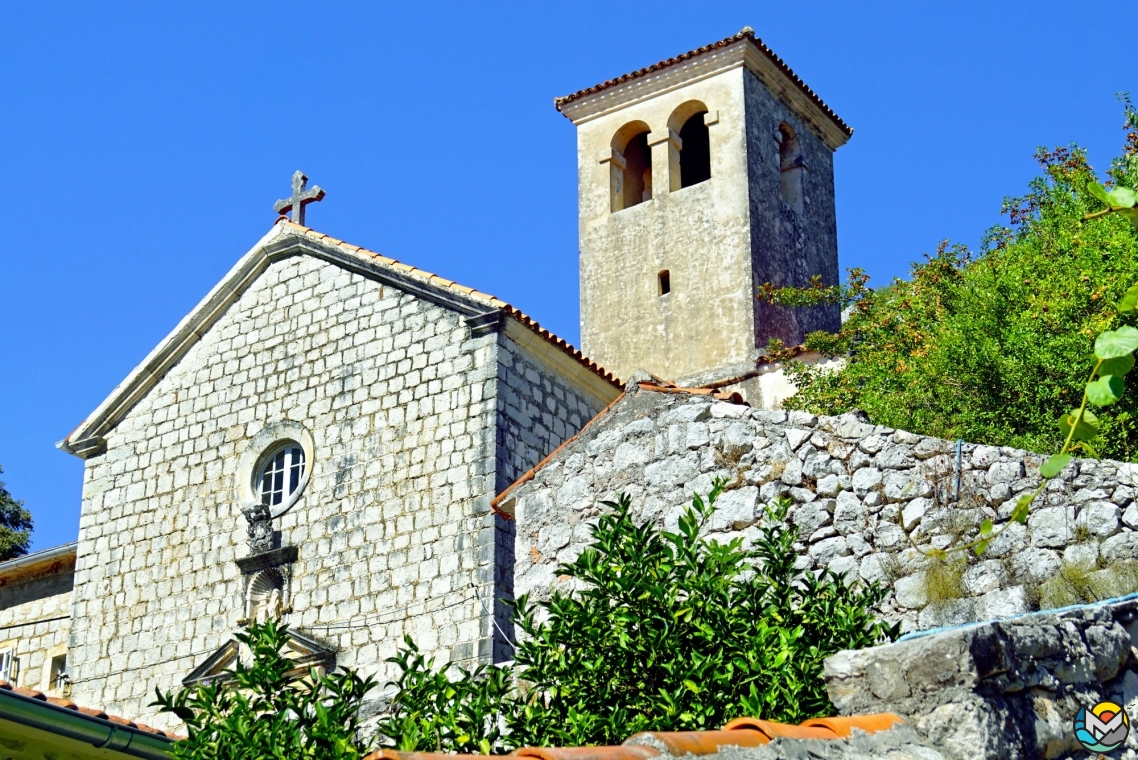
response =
{"points": [[303, 651]]}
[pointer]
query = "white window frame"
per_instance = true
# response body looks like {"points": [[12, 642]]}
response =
{"points": [[9, 665], [289, 475], [61, 679]]}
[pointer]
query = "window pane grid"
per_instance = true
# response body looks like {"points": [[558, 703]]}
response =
{"points": [[286, 465]]}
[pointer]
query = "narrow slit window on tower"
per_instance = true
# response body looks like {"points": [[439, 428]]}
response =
{"points": [[791, 167], [695, 156], [665, 278]]}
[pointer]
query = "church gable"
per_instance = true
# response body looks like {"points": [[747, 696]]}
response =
{"points": [[377, 387]]}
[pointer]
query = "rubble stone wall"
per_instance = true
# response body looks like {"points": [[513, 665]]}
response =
{"points": [[869, 502], [1007, 690]]}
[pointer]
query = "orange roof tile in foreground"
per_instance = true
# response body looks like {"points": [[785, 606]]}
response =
{"points": [[442, 282], [661, 387], [93, 712], [746, 34], [741, 732]]}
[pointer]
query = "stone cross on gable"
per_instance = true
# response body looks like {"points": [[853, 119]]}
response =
{"points": [[300, 197]]}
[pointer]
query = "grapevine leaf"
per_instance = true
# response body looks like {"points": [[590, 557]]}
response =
{"points": [[1129, 301], [1118, 366], [1114, 343], [1122, 197], [1054, 465], [1086, 426], [1104, 391], [1019, 514], [1098, 191]]}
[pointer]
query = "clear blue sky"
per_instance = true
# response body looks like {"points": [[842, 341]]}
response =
{"points": [[142, 147]]}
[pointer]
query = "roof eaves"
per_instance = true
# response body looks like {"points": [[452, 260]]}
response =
{"points": [[55, 710], [87, 439], [37, 558], [745, 34]]}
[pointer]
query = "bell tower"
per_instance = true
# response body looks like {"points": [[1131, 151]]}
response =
{"points": [[699, 179]]}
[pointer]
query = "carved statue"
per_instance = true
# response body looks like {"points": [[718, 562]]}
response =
{"points": [[272, 609], [260, 528]]}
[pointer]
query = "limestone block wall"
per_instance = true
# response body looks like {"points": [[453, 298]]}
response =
{"points": [[868, 502], [393, 530], [35, 612], [538, 409]]}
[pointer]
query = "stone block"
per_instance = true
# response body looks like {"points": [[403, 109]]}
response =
{"points": [[1100, 518], [911, 591], [1051, 526], [866, 479]]}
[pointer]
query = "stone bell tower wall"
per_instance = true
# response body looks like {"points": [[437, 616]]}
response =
{"points": [[699, 234], [788, 245], [670, 260]]}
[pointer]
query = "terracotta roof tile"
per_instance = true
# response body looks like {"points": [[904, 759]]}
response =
{"points": [[92, 712], [528, 475], [746, 34], [438, 281], [623, 752], [843, 725], [741, 732]]}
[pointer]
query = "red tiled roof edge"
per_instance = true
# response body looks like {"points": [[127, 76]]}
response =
{"points": [[741, 732], [734, 398], [528, 475], [93, 712], [746, 34], [434, 279]]}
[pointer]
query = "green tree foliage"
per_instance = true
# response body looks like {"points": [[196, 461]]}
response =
{"points": [[15, 526], [992, 349], [664, 631], [266, 710]]}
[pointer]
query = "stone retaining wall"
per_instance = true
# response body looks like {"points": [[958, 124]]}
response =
{"points": [[1001, 691], [868, 502]]}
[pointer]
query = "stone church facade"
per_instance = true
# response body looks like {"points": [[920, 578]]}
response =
{"points": [[324, 437]]}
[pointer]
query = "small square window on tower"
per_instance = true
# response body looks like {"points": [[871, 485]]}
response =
{"points": [[665, 278]]}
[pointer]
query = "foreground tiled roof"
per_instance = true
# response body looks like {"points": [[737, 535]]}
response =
{"points": [[442, 282], [741, 732], [92, 712], [659, 386], [745, 34]]}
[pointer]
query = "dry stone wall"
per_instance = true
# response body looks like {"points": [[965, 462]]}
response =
{"points": [[868, 503]]}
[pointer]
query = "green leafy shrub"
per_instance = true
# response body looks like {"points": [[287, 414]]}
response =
{"points": [[993, 349], [665, 631], [266, 710]]}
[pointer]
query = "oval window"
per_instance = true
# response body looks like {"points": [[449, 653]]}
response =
{"points": [[281, 474]]}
